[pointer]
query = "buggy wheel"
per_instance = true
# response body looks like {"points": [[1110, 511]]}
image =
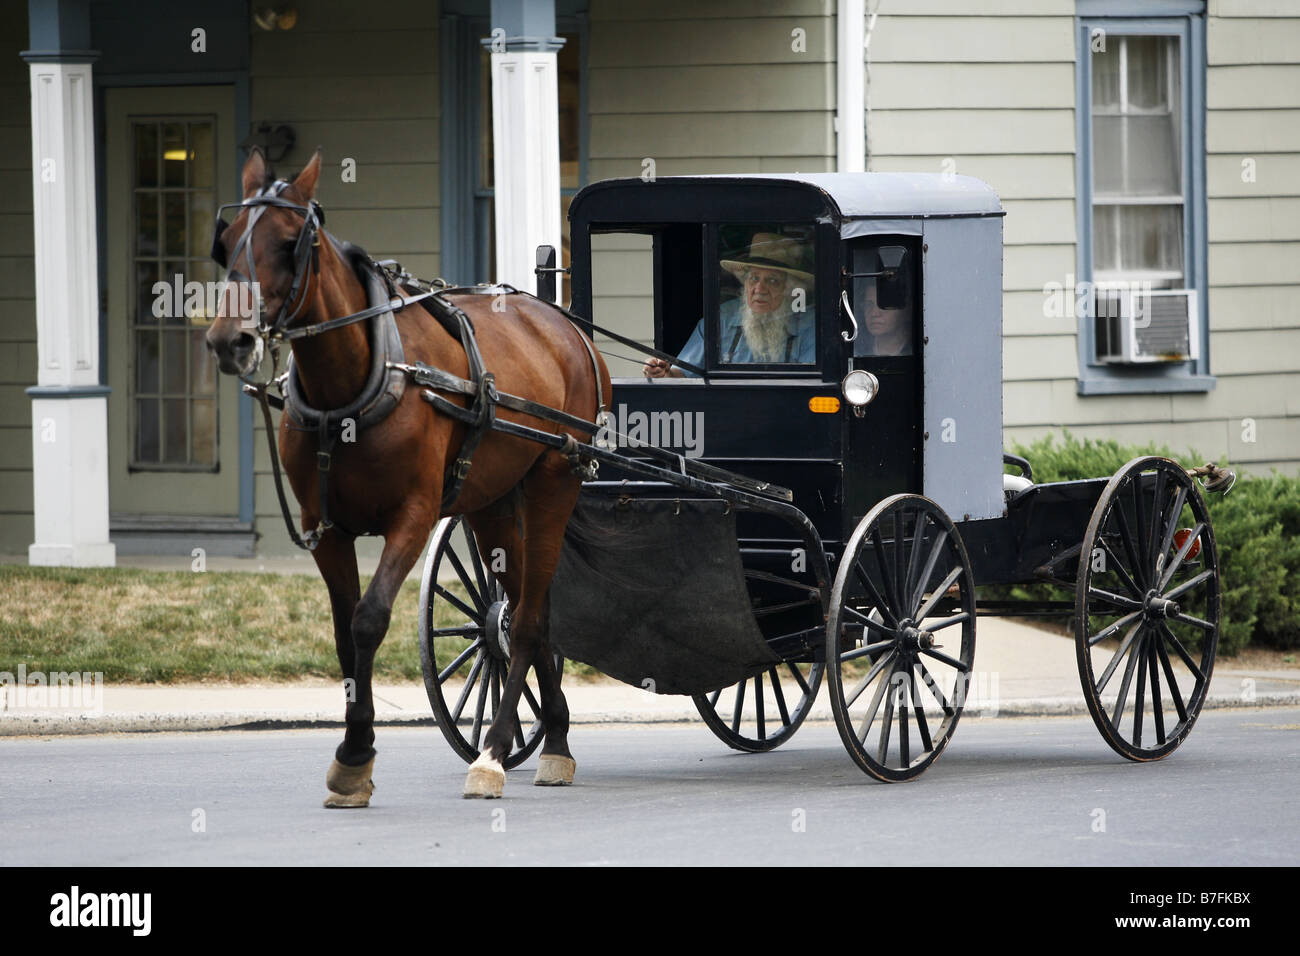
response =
{"points": [[900, 638], [465, 647], [762, 712], [1147, 608]]}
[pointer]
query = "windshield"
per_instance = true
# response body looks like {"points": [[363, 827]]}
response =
{"points": [[766, 308]]}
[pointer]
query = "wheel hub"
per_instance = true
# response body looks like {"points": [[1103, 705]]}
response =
{"points": [[1156, 607], [913, 639], [497, 636]]}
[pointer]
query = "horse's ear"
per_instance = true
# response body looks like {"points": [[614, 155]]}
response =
{"points": [[305, 184], [254, 172]]}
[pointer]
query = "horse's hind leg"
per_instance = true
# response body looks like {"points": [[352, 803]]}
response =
{"points": [[549, 494], [556, 765]]}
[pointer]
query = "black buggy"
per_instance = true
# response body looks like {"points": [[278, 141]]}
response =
{"points": [[759, 521]]}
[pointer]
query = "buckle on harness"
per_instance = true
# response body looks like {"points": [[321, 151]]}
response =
{"points": [[323, 460], [460, 470]]}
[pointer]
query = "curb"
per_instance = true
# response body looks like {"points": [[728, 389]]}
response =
{"points": [[43, 725]]}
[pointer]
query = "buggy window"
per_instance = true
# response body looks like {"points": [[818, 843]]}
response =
{"points": [[766, 311], [884, 300], [648, 285]]}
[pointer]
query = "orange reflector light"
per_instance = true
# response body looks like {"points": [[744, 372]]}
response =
{"points": [[824, 404], [1180, 536]]}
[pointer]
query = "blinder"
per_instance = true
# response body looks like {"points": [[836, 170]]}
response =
{"points": [[218, 253]]}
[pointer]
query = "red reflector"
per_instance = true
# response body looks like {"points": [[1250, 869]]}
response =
{"points": [[1180, 536]]}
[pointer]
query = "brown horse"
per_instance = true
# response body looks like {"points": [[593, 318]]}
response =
{"points": [[518, 495]]}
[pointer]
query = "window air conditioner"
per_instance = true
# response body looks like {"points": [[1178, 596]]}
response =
{"points": [[1140, 326]]}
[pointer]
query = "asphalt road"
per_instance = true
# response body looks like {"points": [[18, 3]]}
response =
{"points": [[1008, 791]]}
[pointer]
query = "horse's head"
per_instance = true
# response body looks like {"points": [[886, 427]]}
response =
{"points": [[270, 254]]}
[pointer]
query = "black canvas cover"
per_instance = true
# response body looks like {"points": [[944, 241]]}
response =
{"points": [[651, 591]]}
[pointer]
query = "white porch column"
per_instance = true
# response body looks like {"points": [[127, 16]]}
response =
{"points": [[69, 406], [526, 135], [850, 87]]}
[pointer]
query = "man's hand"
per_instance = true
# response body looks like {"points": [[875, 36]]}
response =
{"points": [[659, 368]]}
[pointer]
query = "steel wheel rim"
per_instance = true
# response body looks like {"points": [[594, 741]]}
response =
{"points": [[465, 715], [914, 693], [1134, 629]]}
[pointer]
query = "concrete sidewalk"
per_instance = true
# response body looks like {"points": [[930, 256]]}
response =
{"points": [[1020, 671]]}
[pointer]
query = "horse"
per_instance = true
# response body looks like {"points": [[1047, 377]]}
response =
{"points": [[518, 496]]}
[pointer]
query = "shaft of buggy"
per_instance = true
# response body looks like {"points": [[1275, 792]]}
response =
{"points": [[815, 550]]}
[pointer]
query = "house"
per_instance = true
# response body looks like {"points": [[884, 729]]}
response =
{"points": [[1146, 148]]}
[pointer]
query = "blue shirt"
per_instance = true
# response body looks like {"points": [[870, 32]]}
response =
{"points": [[801, 344]]}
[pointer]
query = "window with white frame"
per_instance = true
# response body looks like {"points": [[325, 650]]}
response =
{"points": [[1141, 88], [1137, 150]]}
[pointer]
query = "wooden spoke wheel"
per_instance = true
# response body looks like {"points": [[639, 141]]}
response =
{"points": [[465, 647], [762, 712], [900, 638], [1147, 608]]}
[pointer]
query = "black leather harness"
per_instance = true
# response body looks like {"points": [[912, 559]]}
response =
{"points": [[389, 371]]}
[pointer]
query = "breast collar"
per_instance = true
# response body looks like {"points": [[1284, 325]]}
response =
{"points": [[384, 384]]}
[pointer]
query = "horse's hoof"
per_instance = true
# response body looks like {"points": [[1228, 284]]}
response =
{"points": [[486, 778], [349, 786], [554, 770]]}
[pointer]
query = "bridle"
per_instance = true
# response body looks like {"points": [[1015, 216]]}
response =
{"points": [[306, 256], [306, 263], [306, 248]]}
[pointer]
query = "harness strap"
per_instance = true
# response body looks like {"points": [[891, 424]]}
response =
{"points": [[431, 378], [480, 415], [324, 457], [313, 537], [395, 304]]}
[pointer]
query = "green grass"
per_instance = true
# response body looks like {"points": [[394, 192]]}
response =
{"points": [[169, 626], [179, 626]]}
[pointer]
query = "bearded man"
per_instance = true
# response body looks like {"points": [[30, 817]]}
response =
{"points": [[771, 322]]}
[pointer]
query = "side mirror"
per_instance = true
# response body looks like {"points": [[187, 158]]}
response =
{"points": [[545, 273], [894, 287]]}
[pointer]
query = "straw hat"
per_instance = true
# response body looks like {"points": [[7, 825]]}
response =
{"points": [[767, 250]]}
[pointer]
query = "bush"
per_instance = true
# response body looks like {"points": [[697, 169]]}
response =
{"points": [[1257, 528], [1073, 459]]}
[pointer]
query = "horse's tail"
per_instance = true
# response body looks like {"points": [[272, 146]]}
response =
{"points": [[608, 547]]}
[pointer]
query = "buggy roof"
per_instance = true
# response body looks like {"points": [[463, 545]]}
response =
{"points": [[847, 196], [895, 195]]}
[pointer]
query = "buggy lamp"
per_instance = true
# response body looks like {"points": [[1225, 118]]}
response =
{"points": [[860, 388]]}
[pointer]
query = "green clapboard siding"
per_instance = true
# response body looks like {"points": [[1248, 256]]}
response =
{"points": [[900, 38], [1245, 132], [992, 96], [17, 284], [699, 89], [363, 84], [1245, 40]]}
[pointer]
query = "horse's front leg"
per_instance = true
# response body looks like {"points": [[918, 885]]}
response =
{"points": [[336, 559], [349, 776]]}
